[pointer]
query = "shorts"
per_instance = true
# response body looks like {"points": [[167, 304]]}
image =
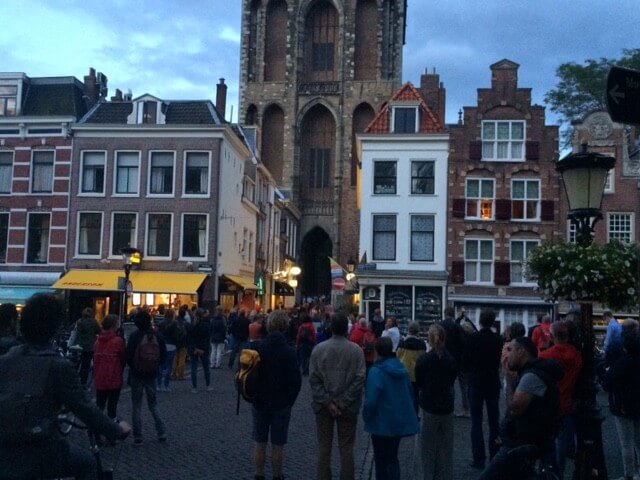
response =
{"points": [[277, 422]]}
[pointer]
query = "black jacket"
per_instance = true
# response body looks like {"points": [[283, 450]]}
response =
{"points": [[622, 381], [435, 377], [454, 342], [58, 384], [240, 328], [279, 374], [218, 329], [481, 359], [199, 336], [132, 344]]}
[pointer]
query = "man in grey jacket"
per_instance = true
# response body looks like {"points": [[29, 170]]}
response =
{"points": [[336, 376]]}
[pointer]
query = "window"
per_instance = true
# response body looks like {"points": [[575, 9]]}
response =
{"points": [[149, 112], [196, 173], [127, 171], [422, 238], [159, 235], [42, 172], [6, 171], [520, 251], [38, 238], [384, 178], [571, 232], [384, 237], [405, 119], [123, 231], [194, 236], [4, 236], [8, 100], [503, 140], [480, 196], [161, 173], [322, 57], [422, 178], [89, 233], [620, 227], [92, 172], [525, 199], [478, 261], [609, 184], [320, 163]]}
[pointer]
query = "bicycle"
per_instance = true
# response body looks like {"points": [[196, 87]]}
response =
{"points": [[533, 461]]}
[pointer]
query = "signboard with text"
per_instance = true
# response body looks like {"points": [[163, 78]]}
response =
{"points": [[623, 95]]}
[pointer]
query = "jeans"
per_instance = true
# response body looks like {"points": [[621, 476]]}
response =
{"points": [[108, 398], [385, 456], [346, 426], [304, 354], [204, 360], [85, 365], [478, 396], [503, 467], [629, 435], [165, 370], [217, 350], [138, 387], [463, 384], [565, 444], [437, 446]]}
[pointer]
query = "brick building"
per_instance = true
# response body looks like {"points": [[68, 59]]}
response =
{"points": [[36, 117], [313, 74], [504, 197]]}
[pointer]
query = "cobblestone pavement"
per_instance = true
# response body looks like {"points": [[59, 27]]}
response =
{"points": [[206, 440]]}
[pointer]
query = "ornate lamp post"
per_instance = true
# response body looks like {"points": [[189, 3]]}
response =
{"points": [[584, 175], [351, 269], [128, 256]]}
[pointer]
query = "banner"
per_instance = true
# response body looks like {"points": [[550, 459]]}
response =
{"points": [[336, 269]]}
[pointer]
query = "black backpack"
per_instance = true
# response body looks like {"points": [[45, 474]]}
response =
{"points": [[146, 359]]}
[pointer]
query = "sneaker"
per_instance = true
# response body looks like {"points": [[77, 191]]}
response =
{"points": [[162, 438], [137, 441], [210, 388], [194, 390]]}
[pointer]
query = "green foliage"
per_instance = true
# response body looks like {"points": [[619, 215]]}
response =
{"points": [[607, 274]]}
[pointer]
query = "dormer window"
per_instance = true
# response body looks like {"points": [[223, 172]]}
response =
{"points": [[406, 119], [148, 112], [8, 100]]}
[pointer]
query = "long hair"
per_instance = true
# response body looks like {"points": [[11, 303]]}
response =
{"points": [[437, 338]]}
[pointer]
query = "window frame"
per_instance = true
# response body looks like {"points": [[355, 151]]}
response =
{"points": [[32, 175], [374, 232], [148, 236], [631, 230], [182, 256], [480, 200], [522, 262], [150, 174], [91, 193], [5, 100], [116, 154], [78, 254], [416, 124], [112, 232], [610, 181], [185, 157], [510, 142], [525, 200], [325, 163], [28, 238], [394, 177], [418, 178], [478, 261], [11, 156], [411, 233]]}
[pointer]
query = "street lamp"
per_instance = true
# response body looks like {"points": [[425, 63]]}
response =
{"points": [[584, 175], [351, 269], [130, 256]]}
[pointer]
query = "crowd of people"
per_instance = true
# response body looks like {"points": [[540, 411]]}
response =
{"points": [[399, 385]]}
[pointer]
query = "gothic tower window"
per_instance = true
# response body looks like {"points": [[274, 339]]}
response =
{"points": [[388, 37], [362, 117], [273, 141], [366, 45], [317, 155], [252, 68], [275, 54], [251, 117], [321, 43]]}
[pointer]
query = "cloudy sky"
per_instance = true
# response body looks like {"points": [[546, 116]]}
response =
{"points": [[178, 49]]}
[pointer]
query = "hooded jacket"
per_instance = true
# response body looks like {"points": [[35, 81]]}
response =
{"points": [[109, 359], [388, 400]]}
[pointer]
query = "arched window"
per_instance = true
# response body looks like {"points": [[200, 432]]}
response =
{"points": [[389, 27], [362, 117], [252, 54], [251, 117], [317, 156], [275, 48], [366, 44], [321, 43], [273, 141]]}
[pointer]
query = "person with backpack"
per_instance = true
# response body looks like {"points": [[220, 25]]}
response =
{"points": [[278, 388], [87, 330], [364, 337], [409, 351], [199, 345], [218, 337], [34, 383], [305, 341], [146, 351], [173, 337]]}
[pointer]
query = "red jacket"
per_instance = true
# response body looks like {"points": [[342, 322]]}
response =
{"points": [[542, 337], [312, 332], [571, 360], [109, 359], [357, 336]]}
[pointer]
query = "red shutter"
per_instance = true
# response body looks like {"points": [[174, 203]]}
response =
{"points": [[458, 207], [546, 211], [475, 150], [502, 273], [457, 272], [503, 209], [533, 150]]}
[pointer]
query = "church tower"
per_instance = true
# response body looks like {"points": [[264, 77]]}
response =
{"points": [[313, 74]]}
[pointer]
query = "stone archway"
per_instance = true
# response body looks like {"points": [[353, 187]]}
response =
{"points": [[314, 260]]}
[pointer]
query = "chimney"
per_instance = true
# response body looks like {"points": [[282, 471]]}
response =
{"points": [[434, 94], [118, 96], [91, 91], [221, 98]]}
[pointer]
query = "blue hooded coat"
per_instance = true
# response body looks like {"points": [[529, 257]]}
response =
{"points": [[388, 400]]}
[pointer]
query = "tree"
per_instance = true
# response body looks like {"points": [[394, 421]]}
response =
{"points": [[582, 88]]}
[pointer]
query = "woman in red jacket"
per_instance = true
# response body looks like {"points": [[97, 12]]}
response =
{"points": [[109, 359]]}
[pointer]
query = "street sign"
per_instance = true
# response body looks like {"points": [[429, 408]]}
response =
{"points": [[623, 95], [338, 283]]}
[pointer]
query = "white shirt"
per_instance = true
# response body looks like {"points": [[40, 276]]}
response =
{"points": [[394, 334]]}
